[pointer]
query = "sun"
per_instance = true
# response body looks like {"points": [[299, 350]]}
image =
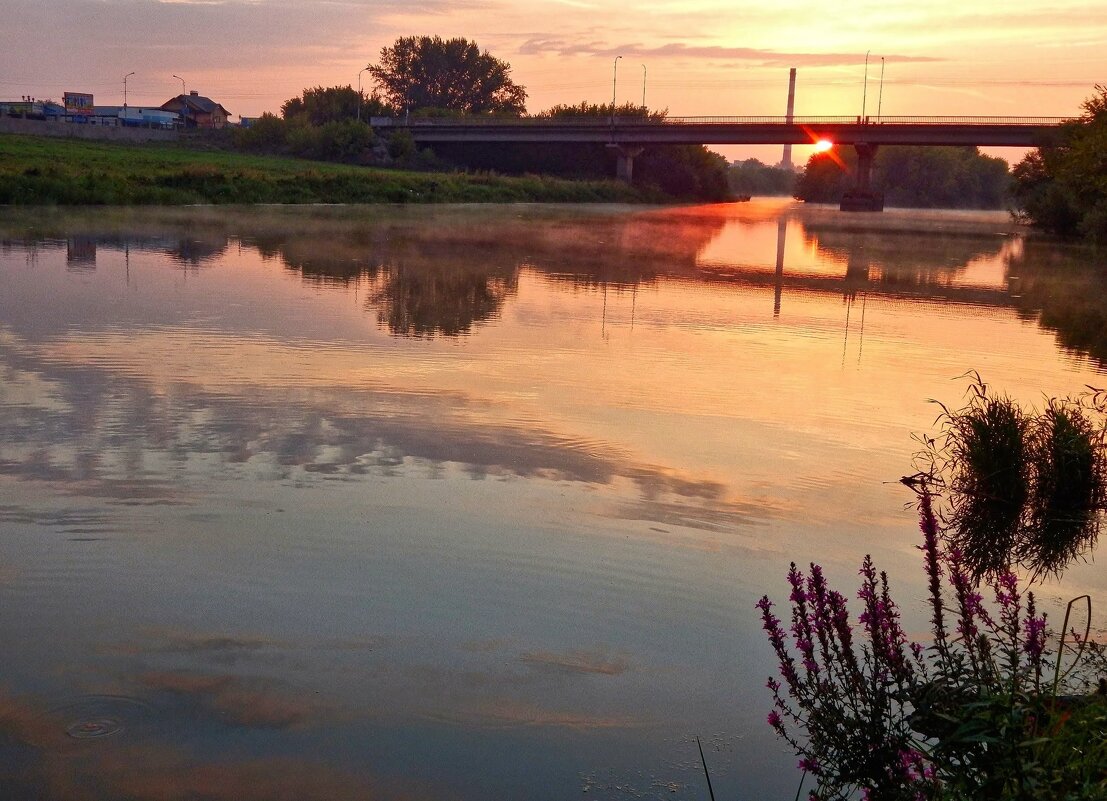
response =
{"points": [[823, 145]]}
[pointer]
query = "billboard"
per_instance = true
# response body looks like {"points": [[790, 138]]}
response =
{"points": [[77, 104]]}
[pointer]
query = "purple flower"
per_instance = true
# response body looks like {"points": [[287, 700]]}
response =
{"points": [[773, 720], [810, 765]]}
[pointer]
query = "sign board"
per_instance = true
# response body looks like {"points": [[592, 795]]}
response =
{"points": [[77, 103]]}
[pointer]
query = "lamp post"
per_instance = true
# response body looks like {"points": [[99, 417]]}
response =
{"points": [[643, 87], [359, 95], [125, 77], [865, 90], [880, 94], [614, 78], [179, 78]]}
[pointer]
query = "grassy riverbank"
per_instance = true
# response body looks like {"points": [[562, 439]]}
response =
{"points": [[55, 171]]}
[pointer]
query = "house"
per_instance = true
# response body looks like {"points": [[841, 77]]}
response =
{"points": [[197, 111]]}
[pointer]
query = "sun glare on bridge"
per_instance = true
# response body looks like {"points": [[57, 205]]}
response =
{"points": [[823, 145]]}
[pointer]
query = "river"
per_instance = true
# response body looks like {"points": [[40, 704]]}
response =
{"points": [[469, 502]]}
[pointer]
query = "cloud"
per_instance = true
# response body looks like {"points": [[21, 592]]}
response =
{"points": [[680, 50]]}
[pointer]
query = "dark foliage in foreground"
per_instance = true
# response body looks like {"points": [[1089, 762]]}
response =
{"points": [[1021, 488], [1061, 187]]}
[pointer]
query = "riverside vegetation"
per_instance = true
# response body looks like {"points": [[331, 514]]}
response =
{"points": [[40, 170], [417, 76], [997, 704]]}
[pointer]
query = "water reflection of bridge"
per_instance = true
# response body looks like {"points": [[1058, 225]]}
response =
{"points": [[456, 274], [859, 266]]}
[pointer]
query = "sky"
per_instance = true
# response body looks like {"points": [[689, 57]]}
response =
{"points": [[695, 57]]}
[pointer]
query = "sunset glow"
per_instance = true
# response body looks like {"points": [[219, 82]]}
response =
{"points": [[702, 57], [823, 145]]}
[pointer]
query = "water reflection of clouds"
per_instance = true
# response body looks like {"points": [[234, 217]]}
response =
{"points": [[149, 422], [52, 765]]}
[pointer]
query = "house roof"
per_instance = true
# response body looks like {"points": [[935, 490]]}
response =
{"points": [[193, 103]]}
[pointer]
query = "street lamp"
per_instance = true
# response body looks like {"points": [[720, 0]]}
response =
{"points": [[614, 78], [865, 90], [880, 95], [643, 87], [125, 77], [359, 95], [179, 78]]}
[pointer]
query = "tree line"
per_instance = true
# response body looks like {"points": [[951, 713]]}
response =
{"points": [[430, 77]]}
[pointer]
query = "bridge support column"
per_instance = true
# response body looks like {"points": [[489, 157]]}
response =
{"points": [[862, 197], [624, 163]]}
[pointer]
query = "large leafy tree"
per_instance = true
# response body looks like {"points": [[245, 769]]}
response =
{"points": [[425, 72], [1062, 188]]}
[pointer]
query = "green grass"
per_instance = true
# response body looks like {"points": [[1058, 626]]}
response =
{"points": [[36, 171]]}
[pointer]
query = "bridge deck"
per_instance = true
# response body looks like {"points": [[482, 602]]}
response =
{"points": [[953, 131]]}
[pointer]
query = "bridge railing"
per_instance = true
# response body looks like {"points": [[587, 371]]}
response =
{"points": [[749, 120]]}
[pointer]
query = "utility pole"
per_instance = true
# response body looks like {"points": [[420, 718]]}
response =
{"points": [[359, 96], [125, 77], [643, 87]]}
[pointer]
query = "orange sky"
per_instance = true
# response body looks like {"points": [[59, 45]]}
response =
{"points": [[701, 56]]}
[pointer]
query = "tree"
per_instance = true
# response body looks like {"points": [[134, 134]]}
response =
{"points": [[1062, 187], [319, 105], [916, 177], [427, 72], [753, 177]]}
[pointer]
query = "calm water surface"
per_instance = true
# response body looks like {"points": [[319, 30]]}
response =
{"points": [[467, 502]]}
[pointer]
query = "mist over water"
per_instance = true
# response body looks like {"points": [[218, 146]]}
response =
{"points": [[468, 502]]}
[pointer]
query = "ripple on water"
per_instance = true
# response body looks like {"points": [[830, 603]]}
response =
{"points": [[94, 717]]}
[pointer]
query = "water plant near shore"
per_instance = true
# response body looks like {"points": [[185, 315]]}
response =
{"points": [[994, 706], [1018, 487]]}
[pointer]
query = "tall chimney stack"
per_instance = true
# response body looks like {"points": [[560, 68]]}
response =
{"points": [[786, 161]]}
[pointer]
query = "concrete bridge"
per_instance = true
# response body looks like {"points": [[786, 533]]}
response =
{"points": [[628, 136]]}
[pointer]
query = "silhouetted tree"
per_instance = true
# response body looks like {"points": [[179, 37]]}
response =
{"points": [[421, 72], [752, 177], [917, 177], [319, 105], [1062, 188]]}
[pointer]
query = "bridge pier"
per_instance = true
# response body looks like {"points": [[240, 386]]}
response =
{"points": [[862, 197], [624, 162]]}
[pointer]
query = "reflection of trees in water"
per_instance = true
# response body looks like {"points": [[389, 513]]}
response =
{"points": [[416, 289], [893, 259], [441, 299], [1066, 289], [446, 277], [190, 250]]}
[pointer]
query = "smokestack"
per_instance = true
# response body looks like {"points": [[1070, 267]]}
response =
{"points": [[786, 161]]}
